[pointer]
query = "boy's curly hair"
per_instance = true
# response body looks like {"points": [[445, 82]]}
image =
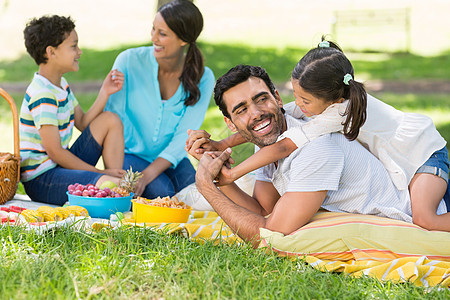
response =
{"points": [[46, 31]]}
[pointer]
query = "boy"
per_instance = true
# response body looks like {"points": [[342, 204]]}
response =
{"points": [[50, 110]]}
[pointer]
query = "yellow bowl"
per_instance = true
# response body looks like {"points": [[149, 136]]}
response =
{"points": [[155, 214]]}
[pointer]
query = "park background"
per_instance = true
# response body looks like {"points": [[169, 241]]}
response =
{"points": [[405, 65]]}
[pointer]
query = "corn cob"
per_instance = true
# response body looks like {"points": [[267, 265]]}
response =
{"points": [[77, 211], [50, 214], [63, 211], [32, 215]]}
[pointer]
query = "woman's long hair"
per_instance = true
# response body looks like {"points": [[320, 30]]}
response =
{"points": [[186, 20]]}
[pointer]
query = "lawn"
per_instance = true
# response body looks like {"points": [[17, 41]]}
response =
{"points": [[137, 263], [141, 264]]}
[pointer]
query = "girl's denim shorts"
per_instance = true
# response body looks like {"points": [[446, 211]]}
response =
{"points": [[438, 164]]}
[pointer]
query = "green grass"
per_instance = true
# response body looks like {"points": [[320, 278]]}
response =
{"points": [[138, 263]]}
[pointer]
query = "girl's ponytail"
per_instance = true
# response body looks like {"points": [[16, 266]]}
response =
{"points": [[356, 109]]}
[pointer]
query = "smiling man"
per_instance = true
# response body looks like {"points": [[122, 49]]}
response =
{"points": [[329, 172]]}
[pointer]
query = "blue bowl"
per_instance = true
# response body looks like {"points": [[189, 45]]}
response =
{"points": [[101, 207]]}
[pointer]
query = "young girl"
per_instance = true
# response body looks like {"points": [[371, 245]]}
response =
{"points": [[408, 145]]}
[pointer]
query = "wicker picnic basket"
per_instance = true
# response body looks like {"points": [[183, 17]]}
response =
{"points": [[10, 163]]}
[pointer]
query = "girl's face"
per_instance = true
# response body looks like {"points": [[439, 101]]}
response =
{"points": [[165, 42], [309, 104]]}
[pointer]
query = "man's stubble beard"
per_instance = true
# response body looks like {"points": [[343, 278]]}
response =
{"points": [[262, 141]]}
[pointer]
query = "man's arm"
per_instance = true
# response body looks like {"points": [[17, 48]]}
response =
{"points": [[291, 211]]}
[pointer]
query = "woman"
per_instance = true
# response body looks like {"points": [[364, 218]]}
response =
{"points": [[167, 90]]}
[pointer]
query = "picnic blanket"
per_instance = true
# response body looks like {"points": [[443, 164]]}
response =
{"points": [[358, 245]]}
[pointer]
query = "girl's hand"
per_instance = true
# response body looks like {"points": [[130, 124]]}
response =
{"points": [[225, 176], [113, 82], [198, 142]]}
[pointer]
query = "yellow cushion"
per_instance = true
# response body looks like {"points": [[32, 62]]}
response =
{"points": [[344, 236]]}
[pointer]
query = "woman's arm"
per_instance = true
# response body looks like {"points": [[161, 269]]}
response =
{"points": [[153, 170], [112, 83]]}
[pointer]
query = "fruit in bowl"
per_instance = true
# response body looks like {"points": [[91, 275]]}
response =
{"points": [[101, 203]]}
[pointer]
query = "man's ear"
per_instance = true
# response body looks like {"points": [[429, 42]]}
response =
{"points": [[230, 124], [278, 99]]}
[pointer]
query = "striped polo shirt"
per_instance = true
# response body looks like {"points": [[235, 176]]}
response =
{"points": [[43, 104]]}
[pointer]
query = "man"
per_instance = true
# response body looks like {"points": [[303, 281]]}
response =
{"points": [[329, 172]]}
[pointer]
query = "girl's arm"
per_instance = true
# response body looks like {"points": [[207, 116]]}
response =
{"points": [[231, 141], [329, 121], [199, 141], [112, 83], [266, 155]]}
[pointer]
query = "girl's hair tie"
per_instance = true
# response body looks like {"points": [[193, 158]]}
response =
{"points": [[347, 78], [324, 44]]}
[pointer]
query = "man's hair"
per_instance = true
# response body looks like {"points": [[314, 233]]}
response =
{"points": [[235, 76], [46, 31]]}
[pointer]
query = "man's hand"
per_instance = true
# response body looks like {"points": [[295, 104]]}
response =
{"points": [[209, 167], [198, 142]]}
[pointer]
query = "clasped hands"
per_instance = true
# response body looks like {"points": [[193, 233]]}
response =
{"points": [[214, 162]]}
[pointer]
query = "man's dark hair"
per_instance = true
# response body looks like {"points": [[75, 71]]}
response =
{"points": [[46, 31], [235, 76]]}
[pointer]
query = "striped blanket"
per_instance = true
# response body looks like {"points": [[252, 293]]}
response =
{"points": [[359, 245]]}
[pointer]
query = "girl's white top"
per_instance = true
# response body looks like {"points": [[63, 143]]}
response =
{"points": [[401, 141]]}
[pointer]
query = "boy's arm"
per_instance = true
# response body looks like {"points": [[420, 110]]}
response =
{"points": [[112, 83], [266, 155]]}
